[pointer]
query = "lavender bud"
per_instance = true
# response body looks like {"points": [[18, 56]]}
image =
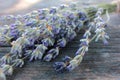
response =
{"points": [[62, 42], [51, 54], [74, 63], [18, 62], [53, 10], [48, 42], [38, 52], [82, 16], [66, 59], [2, 75], [8, 70], [59, 66], [48, 57], [87, 34], [6, 59]]}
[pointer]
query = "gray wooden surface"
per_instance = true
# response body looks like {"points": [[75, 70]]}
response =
{"points": [[100, 63]]}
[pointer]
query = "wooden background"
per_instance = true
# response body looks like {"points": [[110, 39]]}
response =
{"points": [[100, 63]]}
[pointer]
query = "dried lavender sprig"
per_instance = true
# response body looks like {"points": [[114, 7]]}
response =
{"points": [[70, 64]]}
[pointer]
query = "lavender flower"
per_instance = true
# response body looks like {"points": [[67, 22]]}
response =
{"points": [[62, 42], [53, 10], [74, 63], [38, 52], [18, 46], [48, 33], [82, 16], [14, 32], [83, 46], [55, 29], [18, 62], [32, 22], [48, 42], [66, 59], [4, 39], [71, 35], [8, 70], [6, 59], [59, 66], [51, 54], [43, 13], [2, 75]]}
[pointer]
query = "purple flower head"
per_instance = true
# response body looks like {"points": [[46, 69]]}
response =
{"points": [[62, 21], [55, 29], [66, 59], [31, 22], [61, 42], [8, 69], [71, 16], [51, 54], [59, 66], [48, 57], [54, 52], [69, 68], [82, 16], [41, 17], [18, 62], [69, 23], [14, 32], [32, 41], [48, 42], [54, 18], [66, 14], [6, 59], [71, 35], [53, 10]]}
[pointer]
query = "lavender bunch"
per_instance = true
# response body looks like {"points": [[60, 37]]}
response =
{"points": [[68, 63], [46, 32]]}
